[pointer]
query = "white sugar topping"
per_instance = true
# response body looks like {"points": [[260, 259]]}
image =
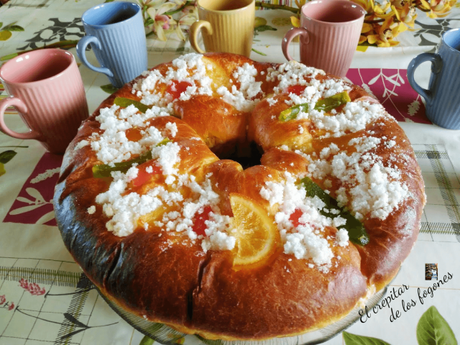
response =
{"points": [[291, 73], [373, 189], [112, 145], [355, 117], [369, 188], [242, 97], [307, 240], [172, 127], [188, 68]]}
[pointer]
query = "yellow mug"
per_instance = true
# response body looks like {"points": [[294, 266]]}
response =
{"points": [[228, 26]]}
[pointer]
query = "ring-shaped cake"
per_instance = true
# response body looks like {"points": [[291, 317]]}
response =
{"points": [[161, 204]]}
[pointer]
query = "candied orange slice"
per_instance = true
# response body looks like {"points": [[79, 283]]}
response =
{"points": [[256, 235]]}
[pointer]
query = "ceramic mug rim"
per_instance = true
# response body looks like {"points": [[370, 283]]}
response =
{"points": [[224, 12], [107, 5], [47, 52], [445, 36], [355, 6]]}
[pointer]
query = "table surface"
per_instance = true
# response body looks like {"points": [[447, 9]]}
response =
{"points": [[45, 298]]}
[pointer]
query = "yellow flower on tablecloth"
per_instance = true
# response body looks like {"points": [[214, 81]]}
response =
{"points": [[381, 10], [437, 8], [405, 12], [385, 34], [295, 22], [386, 19], [367, 5], [367, 27]]}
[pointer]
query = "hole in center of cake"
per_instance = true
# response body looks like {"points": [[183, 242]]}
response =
{"points": [[248, 156]]}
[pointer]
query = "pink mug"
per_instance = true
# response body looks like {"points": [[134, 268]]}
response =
{"points": [[329, 34], [46, 88]]}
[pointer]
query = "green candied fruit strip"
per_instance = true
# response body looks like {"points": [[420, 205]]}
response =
{"points": [[104, 170], [126, 102], [326, 104], [291, 113], [163, 142], [356, 231]]}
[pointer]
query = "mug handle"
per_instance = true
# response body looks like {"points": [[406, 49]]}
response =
{"points": [[81, 49], [290, 36], [195, 29], [436, 67], [19, 105]]}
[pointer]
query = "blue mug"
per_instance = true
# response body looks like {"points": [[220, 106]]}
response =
{"points": [[442, 96], [116, 33]]}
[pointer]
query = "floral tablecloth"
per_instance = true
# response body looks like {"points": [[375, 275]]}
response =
{"points": [[45, 298]]}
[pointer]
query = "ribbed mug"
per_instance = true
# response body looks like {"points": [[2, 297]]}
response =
{"points": [[46, 88], [442, 96], [226, 26], [329, 34], [115, 31]]}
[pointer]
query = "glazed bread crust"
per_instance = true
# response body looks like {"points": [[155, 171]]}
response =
{"points": [[167, 277]]}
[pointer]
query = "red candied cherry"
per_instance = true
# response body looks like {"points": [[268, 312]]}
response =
{"points": [[296, 89], [295, 217], [176, 88], [133, 134], [145, 171], [199, 221]]}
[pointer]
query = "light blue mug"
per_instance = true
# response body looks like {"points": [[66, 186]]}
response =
{"points": [[442, 96], [116, 33]]}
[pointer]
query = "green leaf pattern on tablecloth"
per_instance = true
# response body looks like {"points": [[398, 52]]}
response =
{"points": [[7, 31], [5, 157]]}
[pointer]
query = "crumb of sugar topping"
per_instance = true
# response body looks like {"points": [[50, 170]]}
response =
{"points": [[172, 127], [272, 101], [342, 237]]}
